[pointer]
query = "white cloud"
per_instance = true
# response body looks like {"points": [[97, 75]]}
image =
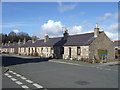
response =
{"points": [[13, 24], [75, 30], [52, 27], [62, 8], [110, 28], [55, 28], [112, 36], [107, 14], [16, 31], [104, 17]]}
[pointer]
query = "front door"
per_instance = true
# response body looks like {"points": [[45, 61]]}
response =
{"points": [[69, 52]]}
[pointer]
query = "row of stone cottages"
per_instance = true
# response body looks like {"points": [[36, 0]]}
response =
{"points": [[92, 45]]}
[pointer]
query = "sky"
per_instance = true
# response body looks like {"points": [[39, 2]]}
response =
{"points": [[39, 18]]}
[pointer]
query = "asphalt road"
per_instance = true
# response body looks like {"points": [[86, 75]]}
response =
{"points": [[33, 73]]}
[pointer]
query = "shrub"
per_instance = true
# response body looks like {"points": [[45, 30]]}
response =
{"points": [[82, 59], [90, 61], [35, 54], [97, 61], [31, 54]]}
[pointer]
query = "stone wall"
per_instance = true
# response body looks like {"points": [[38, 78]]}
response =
{"points": [[84, 52], [44, 51], [102, 42]]}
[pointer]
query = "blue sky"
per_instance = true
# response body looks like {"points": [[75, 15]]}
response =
{"points": [[38, 18]]}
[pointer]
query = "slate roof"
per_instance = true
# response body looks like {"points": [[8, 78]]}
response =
{"points": [[53, 42], [73, 40], [5, 46], [11, 46], [80, 39], [117, 43], [27, 44]]}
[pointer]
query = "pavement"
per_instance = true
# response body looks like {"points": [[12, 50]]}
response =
{"points": [[33, 73]]}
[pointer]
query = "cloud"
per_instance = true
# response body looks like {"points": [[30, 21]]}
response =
{"points": [[111, 28], [62, 8], [52, 27], [16, 31], [55, 28], [13, 24], [113, 36], [75, 30], [104, 17], [82, 13]]}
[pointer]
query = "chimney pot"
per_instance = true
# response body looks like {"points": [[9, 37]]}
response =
{"points": [[46, 38], [96, 30], [65, 34]]}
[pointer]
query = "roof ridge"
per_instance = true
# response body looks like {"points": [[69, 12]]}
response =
{"points": [[89, 40], [81, 33]]}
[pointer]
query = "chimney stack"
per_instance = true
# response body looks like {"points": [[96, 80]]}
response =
{"points": [[24, 41], [65, 34], [5, 44], [34, 38], [19, 42], [8, 43], [46, 38], [2, 44], [96, 30]]}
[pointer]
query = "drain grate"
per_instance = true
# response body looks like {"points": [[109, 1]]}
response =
{"points": [[82, 82]]}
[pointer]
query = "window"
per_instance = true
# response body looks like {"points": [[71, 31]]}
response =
{"points": [[47, 49], [32, 50], [28, 49], [24, 49], [35, 50], [52, 50], [41, 50], [78, 50], [62, 50]]}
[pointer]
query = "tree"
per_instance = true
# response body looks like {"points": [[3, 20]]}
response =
{"points": [[12, 34], [15, 37]]}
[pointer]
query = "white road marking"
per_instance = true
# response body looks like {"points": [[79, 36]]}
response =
{"points": [[23, 78], [107, 69], [14, 73], [24, 86], [29, 81], [6, 74], [11, 71], [81, 65], [37, 85], [75, 64], [101, 68], [97, 67], [13, 79], [18, 82], [9, 76], [18, 75], [69, 63]]}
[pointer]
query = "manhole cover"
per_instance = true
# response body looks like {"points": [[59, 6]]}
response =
{"points": [[82, 82]]}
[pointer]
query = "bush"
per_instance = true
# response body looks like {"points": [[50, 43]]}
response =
{"points": [[97, 61], [82, 59], [35, 54], [31, 54], [90, 61]]}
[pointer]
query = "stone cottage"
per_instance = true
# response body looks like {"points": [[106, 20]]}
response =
{"points": [[117, 48], [95, 45]]}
